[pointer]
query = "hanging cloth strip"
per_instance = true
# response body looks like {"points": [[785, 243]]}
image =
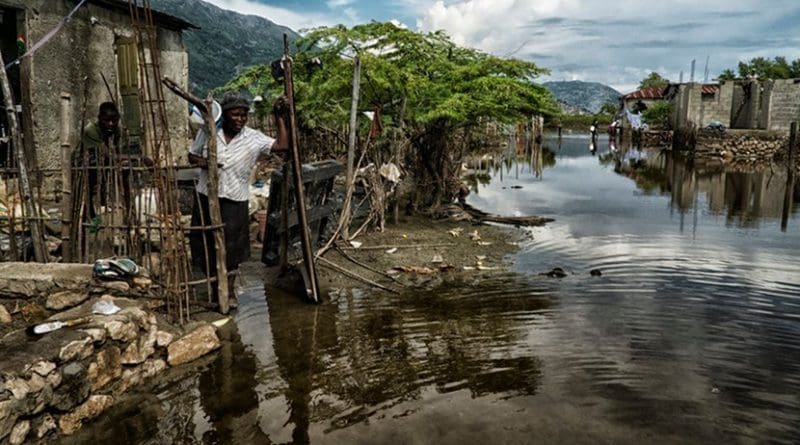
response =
{"points": [[46, 37]]}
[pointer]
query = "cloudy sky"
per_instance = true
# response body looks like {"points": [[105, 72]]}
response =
{"points": [[616, 43]]}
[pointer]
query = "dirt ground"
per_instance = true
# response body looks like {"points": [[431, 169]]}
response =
{"points": [[420, 251]]}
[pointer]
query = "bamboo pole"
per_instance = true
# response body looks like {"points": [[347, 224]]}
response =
{"points": [[205, 108], [351, 148], [27, 196], [66, 175]]}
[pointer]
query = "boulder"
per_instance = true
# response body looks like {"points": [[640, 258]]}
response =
{"points": [[139, 350], [43, 368], [19, 433], [65, 299], [105, 368], [193, 345], [93, 407], [47, 424], [120, 328], [5, 317]]}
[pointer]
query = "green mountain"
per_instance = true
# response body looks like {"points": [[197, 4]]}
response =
{"points": [[576, 97], [226, 43]]}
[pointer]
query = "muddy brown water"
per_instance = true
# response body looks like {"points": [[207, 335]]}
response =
{"points": [[690, 335]]}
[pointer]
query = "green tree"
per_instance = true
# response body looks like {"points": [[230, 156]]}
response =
{"points": [[653, 80], [777, 68], [609, 108], [727, 74], [432, 93], [658, 114]]}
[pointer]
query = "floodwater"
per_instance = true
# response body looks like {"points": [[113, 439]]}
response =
{"points": [[690, 335]]}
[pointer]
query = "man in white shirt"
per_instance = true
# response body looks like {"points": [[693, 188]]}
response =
{"points": [[238, 149]]}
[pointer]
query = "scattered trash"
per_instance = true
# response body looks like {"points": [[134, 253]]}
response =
{"points": [[392, 250], [557, 272], [356, 244], [455, 233], [221, 322], [105, 307], [484, 243], [475, 236], [414, 269], [480, 257], [715, 391], [390, 172], [437, 259], [115, 268]]}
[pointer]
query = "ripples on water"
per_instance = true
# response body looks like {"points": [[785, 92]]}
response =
{"points": [[691, 334]]}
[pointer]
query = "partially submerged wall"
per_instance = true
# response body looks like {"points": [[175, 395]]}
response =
{"points": [[53, 383]]}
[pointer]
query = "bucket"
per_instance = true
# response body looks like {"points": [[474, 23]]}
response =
{"points": [[197, 117]]}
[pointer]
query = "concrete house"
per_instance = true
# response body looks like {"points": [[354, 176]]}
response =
{"points": [[644, 97], [750, 104], [90, 59]]}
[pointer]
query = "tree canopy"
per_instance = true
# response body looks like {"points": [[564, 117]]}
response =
{"points": [[763, 68], [653, 80]]}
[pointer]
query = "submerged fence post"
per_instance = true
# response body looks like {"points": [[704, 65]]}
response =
{"points": [[792, 146]]}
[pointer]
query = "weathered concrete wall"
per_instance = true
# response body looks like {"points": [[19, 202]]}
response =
{"points": [[785, 104], [83, 50]]}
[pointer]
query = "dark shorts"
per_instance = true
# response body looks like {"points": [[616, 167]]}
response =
{"points": [[236, 218]]}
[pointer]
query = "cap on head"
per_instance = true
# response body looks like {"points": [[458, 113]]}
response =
{"points": [[231, 100]]}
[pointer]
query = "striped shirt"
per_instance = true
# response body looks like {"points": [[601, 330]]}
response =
{"points": [[238, 157]]}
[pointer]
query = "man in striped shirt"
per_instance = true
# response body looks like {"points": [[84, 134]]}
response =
{"points": [[238, 149]]}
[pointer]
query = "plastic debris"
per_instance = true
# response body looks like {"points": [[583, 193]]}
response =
{"points": [[437, 259], [455, 233], [474, 236], [392, 250], [356, 244], [105, 307]]}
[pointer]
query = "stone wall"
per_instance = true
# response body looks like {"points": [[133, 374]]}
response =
{"points": [[51, 384], [741, 147]]}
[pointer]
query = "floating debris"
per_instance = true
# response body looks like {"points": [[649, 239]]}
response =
{"points": [[392, 250]]}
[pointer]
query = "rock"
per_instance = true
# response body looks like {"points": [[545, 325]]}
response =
{"points": [[139, 350], [48, 424], [18, 387], [164, 338], [19, 433], [119, 286], [139, 316], [43, 368], [79, 349], [54, 379], [105, 368], [98, 335], [72, 422], [36, 383], [136, 376], [33, 313], [596, 272], [74, 387], [65, 299], [142, 282], [5, 317], [193, 345], [120, 329]]}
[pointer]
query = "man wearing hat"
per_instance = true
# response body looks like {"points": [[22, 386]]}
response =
{"points": [[238, 149]]}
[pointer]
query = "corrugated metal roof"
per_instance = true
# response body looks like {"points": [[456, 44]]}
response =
{"points": [[646, 93], [710, 89]]}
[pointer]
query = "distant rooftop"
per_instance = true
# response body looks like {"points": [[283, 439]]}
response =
{"points": [[652, 93]]}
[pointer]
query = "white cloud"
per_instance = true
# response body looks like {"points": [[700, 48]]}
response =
{"points": [[615, 43], [338, 3]]}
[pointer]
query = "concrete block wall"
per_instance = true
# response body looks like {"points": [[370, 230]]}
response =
{"points": [[785, 104]]}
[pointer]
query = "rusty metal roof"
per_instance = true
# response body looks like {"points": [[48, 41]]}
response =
{"points": [[710, 89], [646, 93]]}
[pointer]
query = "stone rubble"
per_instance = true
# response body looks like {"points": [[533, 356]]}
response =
{"points": [[53, 383]]}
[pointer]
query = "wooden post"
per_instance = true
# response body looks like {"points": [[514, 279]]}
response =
{"points": [[39, 251], [792, 146], [66, 176], [213, 207], [309, 270], [351, 149]]}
